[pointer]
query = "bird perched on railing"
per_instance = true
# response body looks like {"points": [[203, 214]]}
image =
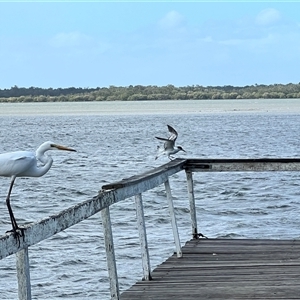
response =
{"points": [[25, 164], [169, 145]]}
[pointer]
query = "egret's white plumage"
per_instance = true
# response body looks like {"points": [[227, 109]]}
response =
{"points": [[169, 145], [25, 164]]}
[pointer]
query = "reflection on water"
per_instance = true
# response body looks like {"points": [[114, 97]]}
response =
{"points": [[110, 147], [151, 107]]}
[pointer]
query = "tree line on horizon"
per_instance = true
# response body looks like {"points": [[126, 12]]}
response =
{"points": [[150, 92]]}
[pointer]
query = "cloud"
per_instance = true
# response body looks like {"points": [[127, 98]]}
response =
{"points": [[76, 43], [70, 39], [268, 16], [171, 20]]}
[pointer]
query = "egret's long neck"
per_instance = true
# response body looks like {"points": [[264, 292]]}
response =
{"points": [[46, 160]]}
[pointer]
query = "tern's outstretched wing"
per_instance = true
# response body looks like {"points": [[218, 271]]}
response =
{"points": [[173, 132], [172, 137], [162, 139], [169, 144]]}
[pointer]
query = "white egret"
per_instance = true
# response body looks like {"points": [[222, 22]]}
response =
{"points": [[169, 145], [25, 164]]}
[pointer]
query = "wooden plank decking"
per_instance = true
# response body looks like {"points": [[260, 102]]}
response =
{"points": [[226, 269]]}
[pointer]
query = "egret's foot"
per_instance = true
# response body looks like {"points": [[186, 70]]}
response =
{"points": [[17, 233]]}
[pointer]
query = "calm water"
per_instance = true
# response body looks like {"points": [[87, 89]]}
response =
{"points": [[116, 140]]}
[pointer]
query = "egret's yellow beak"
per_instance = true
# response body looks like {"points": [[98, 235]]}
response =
{"points": [[59, 147]]}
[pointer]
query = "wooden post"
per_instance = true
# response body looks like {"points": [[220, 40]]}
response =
{"points": [[190, 188], [23, 274], [110, 255], [173, 219], [143, 237]]}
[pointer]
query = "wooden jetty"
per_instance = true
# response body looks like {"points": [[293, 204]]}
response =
{"points": [[203, 268], [225, 269]]}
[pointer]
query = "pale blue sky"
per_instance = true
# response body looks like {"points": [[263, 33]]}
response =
{"points": [[98, 44]]}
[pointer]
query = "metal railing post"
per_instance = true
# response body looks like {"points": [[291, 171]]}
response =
{"points": [[190, 188], [110, 255], [173, 219], [143, 237], [23, 274]]}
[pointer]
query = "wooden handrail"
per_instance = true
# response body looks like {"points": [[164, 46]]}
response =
{"points": [[120, 190]]}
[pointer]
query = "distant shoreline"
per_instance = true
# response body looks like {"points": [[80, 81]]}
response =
{"points": [[150, 93], [142, 100]]}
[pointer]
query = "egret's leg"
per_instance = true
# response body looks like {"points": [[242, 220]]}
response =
{"points": [[11, 214]]}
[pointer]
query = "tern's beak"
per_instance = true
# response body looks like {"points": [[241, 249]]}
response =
{"points": [[59, 147], [180, 148]]}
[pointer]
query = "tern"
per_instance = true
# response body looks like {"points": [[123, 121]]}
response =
{"points": [[169, 145]]}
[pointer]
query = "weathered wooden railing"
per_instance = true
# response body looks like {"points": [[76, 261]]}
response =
{"points": [[118, 191]]}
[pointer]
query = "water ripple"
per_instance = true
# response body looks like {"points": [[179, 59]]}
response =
{"points": [[72, 264]]}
